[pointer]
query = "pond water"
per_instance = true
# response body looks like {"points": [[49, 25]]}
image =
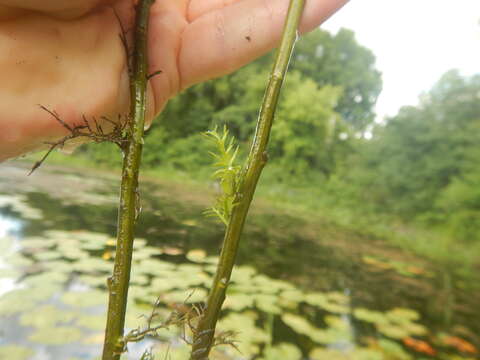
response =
{"points": [[304, 289]]}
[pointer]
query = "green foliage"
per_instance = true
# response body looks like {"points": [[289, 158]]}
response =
{"points": [[339, 60], [423, 158], [227, 173], [330, 93], [459, 203], [307, 128]]}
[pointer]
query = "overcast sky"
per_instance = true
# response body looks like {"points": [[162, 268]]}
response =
{"points": [[415, 42]]}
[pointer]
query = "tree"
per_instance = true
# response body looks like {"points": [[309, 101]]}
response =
{"points": [[424, 150], [340, 61], [329, 96]]}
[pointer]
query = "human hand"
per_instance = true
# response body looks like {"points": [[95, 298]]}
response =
{"points": [[67, 56]]}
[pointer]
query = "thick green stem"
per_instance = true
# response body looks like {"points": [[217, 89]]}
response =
{"points": [[204, 334], [118, 283]]}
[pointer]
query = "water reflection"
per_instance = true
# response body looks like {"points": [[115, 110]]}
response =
{"points": [[9, 228]]}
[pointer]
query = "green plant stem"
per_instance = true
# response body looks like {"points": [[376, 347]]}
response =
{"points": [[204, 334], [118, 283]]}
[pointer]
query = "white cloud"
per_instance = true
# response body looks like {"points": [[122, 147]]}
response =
{"points": [[415, 42]]}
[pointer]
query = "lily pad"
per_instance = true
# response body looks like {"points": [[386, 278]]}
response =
{"points": [[185, 296], [47, 277], [196, 255], [163, 285], [238, 302], [46, 316], [282, 351], [6, 244], [74, 254], [403, 315], [92, 280], [298, 324], [267, 303], [145, 253], [60, 265], [243, 274], [372, 316], [9, 274], [90, 265], [85, 298], [393, 331], [37, 242], [394, 350], [16, 301], [355, 354], [170, 250], [56, 335], [248, 335], [92, 322], [15, 352], [19, 260], [332, 302]]}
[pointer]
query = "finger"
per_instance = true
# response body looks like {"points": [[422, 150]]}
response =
{"points": [[197, 8], [167, 22], [76, 68], [60, 8], [224, 40]]}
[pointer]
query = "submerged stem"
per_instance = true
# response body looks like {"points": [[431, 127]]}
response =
{"points": [[118, 283], [257, 158]]}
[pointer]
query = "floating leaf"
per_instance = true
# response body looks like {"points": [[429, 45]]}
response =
{"points": [[419, 346], [393, 331], [393, 349], [85, 298], [402, 315], [371, 316], [248, 335], [190, 222], [331, 302], [93, 246], [92, 265], [161, 286], [242, 274], [46, 316], [60, 265], [56, 335], [111, 242], [169, 250], [107, 255], [267, 303], [6, 245], [37, 242], [16, 301], [238, 301], [460, 344], [185, 296], [139, 243], [19, 260], [9, 274], [15, 352], [47, 277], [92, 322], [139, 279], [74, 254], [298, 323], [355, 354], [196, 255], [94, 339], [316, 299], [282, 351]]}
